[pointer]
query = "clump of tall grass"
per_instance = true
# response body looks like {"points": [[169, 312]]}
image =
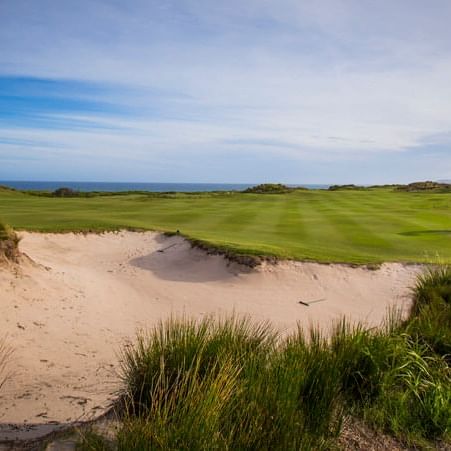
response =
{"points": [[175, 346], [226, 385], [415, 396], [9, 242], [430, 320], [232, 384]]}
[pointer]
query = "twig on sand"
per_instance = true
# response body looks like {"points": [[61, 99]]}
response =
{"points": [[312, 302], [166, 248]]}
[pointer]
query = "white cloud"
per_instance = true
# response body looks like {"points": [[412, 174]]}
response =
{"points": [[329, 79]]}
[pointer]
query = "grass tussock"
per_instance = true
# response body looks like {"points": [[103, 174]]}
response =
{"points": [[430, 321], [90, 440], [9, 242], [233, 384]]}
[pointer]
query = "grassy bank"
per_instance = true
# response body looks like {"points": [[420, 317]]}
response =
{"points": [[235, 385], [355, 226]]}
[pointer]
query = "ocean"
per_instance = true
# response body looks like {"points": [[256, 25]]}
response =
{"points": [[123, 186]]}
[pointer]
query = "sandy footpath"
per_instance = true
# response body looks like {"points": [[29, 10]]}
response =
{"points": [[68, 310]]}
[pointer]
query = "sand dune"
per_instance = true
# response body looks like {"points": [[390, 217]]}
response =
{"points": [[69, 308]]}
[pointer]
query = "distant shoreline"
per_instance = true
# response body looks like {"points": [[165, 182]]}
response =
{"points": [[125, 186]]}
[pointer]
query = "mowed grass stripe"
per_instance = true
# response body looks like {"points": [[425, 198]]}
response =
{"points": [[349, 226], [353, 229], [393, 222], [250, 227], [290, 220], [319, 235], [398, 219]]}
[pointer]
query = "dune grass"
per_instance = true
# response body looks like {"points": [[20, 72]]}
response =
{"points": [[353, 226], [232, 384], [6, 232], [9, 242]]}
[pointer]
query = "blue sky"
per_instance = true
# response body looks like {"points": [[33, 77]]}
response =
{"points": [[332, 91]]}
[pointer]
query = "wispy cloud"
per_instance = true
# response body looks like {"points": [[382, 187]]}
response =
{"points": [[188, 84]]}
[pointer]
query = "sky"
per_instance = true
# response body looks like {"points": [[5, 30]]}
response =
{"points": [[241, 91]]}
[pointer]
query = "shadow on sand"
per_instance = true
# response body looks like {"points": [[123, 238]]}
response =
{"points": [[177, 261]]}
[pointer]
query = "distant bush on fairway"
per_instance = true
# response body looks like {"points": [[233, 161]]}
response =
{"points": [[346, 187], [233, 384], [427, 186], [269, 188], [9, 242], [65, 192]]}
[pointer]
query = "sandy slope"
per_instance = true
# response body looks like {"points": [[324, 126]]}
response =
{"points": [[68, 311]]}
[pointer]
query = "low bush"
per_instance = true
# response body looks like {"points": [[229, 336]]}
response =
{"points": [[350, 187], [427, 186], [268, 188], [65, 192]]}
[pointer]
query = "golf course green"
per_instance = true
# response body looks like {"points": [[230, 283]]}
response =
{"points": [[353, 226]]}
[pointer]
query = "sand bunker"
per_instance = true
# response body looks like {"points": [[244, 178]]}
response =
{"points": [[69, 309]]}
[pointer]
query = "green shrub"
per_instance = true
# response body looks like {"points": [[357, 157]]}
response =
{"points": [[268, 188], [65, 192], [427, 186]]}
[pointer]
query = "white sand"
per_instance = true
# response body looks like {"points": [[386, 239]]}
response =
{"points": [[69, 311]]}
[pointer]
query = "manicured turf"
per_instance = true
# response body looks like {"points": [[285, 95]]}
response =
{"points": [[340, 226]]}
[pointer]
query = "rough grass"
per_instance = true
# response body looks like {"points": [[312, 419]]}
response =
{"points": [[233, 384], [430, 321], [222, 385], [351, 226], [9, 242]]}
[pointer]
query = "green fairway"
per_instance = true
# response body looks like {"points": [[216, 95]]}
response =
{"points": [[356, 226]]}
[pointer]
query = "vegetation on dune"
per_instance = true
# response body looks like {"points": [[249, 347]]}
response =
{"points": [[233, 384], [427, 186], [65, 192], [269, 188], [9, 242], [346, 187], [6, 188], [247, 258], [69, 192]]}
